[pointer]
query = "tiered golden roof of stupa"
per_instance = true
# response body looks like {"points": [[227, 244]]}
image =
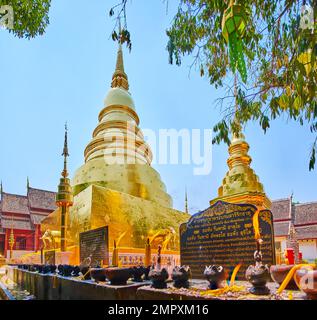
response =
{"points": [[241, 184], [117, 157]]}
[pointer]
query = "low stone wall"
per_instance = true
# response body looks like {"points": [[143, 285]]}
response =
{"points": [[51, 287]]}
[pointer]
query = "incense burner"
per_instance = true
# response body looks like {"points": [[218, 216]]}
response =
{"points": [[84, 270], [137, 273], [158, 276], [216, 275], [98, 274], [180, 276], [259, 274], [146, 272], [65, 270]]}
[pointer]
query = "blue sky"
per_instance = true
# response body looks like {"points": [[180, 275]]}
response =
{"points": [[65, 75]]}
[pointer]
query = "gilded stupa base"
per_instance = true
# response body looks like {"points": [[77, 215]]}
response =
{"points": [[130, 220], [260, 200]]}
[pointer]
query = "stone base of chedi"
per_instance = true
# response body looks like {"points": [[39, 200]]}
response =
{"points": [[131, 221]]}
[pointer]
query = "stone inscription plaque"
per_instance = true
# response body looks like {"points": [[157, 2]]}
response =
{"points": [[94, 247], [223, 234], [49, 257]]}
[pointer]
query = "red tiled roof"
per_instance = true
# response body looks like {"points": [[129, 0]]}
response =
{"points": [[21, 224], [306, 213], [37, 218], [13, 203], [306, 232], [281, 229], [281, 209], [41, 199]]}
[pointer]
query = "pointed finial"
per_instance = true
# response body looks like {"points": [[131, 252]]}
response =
{"points": [[1, 187], [65, 153], [236, 106], [186, 201], [120, 78], [27, 183], [65, 150]]}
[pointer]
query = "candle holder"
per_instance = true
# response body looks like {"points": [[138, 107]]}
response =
{"points": [[180, 276], [146, 272], [158, 275], [98, 274], [65, 270], [259, 274], [216, 275], [137, 273], [85, 271]]}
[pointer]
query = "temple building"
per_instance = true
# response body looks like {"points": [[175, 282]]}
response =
{"points": [[20, 219], [117, 186], [302, 217]]}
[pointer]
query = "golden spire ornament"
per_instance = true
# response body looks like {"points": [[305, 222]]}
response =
{"points": [[64, 196], [119, 77], [186, 201]]}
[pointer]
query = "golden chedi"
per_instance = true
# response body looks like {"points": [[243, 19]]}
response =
{"points": [[116, 186], [241, 184]]}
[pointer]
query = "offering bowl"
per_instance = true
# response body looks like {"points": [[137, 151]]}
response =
{"points": [[279, 273], [118, 276], [306, 280]]}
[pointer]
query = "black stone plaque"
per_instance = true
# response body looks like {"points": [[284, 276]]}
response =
{"points": [[94, 247], [49, 257], [224, 235]]}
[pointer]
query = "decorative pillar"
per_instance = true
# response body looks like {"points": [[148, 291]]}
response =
{"points": [[6, 242], [64, 196], [11, 242]]}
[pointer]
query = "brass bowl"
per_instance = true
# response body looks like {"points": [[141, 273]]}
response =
{"points": [[98, 274], [118, 276], [258, 276], [306, 280], [279, 273]]}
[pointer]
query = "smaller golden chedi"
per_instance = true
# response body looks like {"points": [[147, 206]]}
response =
{"points": [[241, 184]]}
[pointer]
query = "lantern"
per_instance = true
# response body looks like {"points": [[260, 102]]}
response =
{"points": [[233, 27]]}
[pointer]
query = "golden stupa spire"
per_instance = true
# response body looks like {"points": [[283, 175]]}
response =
{"points": [[64, 195], [186, 201], [119, 77], [65, 153], [241, 184]]}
